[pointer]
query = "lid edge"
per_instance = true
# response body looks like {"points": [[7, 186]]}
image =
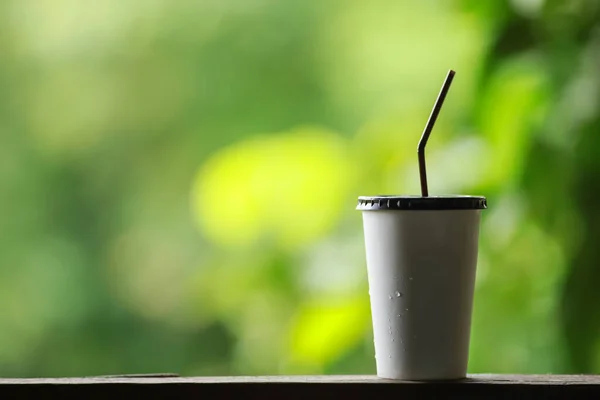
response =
{"points": [[416, 203]]}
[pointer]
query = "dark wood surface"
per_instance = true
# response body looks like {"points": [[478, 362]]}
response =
{"points": [[172, 386]]}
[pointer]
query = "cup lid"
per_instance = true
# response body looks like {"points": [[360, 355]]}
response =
{"points": [[415, 203]]}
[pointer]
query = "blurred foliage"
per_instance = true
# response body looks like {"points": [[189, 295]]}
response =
{"points": [[178, 178]]}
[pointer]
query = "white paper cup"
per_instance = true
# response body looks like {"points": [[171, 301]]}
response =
{"points": [[421, 262]]}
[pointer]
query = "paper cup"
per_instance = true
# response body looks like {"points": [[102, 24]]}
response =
{"points": [[421, 262]]}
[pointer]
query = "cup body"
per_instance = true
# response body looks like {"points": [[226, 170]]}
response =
{"points": [[421, 268]]}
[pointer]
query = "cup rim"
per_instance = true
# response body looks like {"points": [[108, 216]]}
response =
{"points": [[416, 203]]}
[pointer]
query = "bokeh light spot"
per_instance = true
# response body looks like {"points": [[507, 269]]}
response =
{"points": [[289, 188]]}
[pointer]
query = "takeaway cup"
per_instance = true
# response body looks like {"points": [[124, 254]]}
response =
{"points": [[421, 261]]}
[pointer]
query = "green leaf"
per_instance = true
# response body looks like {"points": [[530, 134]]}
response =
{"points": [[290, 188], [323, 330], [511, 109]]}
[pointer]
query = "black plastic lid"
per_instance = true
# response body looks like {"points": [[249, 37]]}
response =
{"points": [[377, 203]]}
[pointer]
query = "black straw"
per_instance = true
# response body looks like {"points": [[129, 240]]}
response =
{"points": [[428, 128]]}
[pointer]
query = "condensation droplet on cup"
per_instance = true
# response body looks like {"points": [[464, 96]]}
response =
{"points": [[410, 278], [393, 340], [406, 309], [389, 356], [390, 297], [398, 294]]}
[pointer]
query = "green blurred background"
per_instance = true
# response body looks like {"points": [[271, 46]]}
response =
{"points": [[178, 178]]}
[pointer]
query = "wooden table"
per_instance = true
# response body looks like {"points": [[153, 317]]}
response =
{"points": [[292, 387]]}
